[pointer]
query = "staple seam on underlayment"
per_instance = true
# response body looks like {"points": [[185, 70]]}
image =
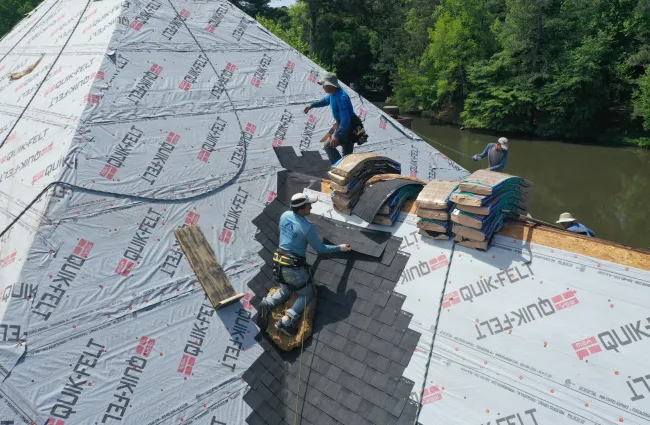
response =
{"points": [[435, 331]]}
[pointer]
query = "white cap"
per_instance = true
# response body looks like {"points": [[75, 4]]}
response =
{"points": [[503, 142], [566, 218], [300, 199]]}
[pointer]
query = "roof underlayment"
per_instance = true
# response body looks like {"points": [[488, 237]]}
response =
{"points": [[160, 114]]}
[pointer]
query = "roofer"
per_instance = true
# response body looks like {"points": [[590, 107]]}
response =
{"points": [[341, 132], [497, 154], [290, 266], [572, 225]]}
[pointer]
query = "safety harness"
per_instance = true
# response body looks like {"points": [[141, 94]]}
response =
{"points": [[282, 258]]}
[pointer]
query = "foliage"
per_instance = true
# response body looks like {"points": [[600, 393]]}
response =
{"points": [[290, 32], [642, 100], [252, 7], [289, 26], [459, 38], [12, 11]]}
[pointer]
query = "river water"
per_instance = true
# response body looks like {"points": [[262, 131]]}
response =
{"points": [[605, 188]]}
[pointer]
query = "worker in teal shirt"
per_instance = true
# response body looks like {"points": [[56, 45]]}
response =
{"points": [[343, 112], [295, 233]]}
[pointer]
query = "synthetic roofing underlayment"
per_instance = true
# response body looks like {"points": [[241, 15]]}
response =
{"points": [[161, 114]]}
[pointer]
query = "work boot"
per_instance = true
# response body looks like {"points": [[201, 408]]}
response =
{"points": [[263, 316], [288, 330]]}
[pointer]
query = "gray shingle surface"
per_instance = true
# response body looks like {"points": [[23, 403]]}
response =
{"points": [[352, 366]]}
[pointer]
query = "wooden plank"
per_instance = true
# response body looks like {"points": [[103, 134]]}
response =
{"points": [[208, 271], [583, 245]]}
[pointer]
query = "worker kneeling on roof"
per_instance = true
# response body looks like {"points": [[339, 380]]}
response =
{"points": [[290, 266]]}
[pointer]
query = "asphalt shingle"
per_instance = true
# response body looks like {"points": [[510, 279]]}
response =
{"points": [[352, 366]]}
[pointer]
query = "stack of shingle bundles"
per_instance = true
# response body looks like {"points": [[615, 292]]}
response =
{"points": [[434, 206], [387, 194], [350, 174], [390, 210], [480, 201]]}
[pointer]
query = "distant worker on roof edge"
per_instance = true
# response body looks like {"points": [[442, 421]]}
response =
{"points": [[497, 154], [572, 225], [290, 265], [341, 132]]}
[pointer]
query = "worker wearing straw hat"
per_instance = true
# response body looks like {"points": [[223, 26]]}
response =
{"points": [[571, 224]]}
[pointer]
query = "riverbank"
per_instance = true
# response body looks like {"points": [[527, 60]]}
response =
{"points": [[451, 117], [604, 187]]}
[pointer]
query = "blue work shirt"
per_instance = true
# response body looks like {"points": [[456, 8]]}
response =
{"points": [[495, 167], [341, 109], [576, 227], [296, 232]]}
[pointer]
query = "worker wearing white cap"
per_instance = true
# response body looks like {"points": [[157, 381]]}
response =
{"points": [[290, 265], [497, 154], [571, 224]]}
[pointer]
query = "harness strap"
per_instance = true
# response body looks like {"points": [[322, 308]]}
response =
{"points": [[284, 259]]}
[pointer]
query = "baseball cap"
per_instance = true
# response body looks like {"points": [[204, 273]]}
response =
{"points": [[300, 199]]}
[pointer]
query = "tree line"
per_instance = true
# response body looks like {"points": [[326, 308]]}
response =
{"points": [[568, 69]]}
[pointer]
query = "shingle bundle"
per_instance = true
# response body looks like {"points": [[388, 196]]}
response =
{"points": [[434, 206], [350, 175], [383, 197], [480, 201], [389, 211]]}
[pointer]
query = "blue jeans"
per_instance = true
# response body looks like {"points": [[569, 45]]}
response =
{"points": [[296, 277], [347, 147]]}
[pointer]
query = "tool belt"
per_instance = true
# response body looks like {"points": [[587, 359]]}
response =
{"points": [[359, 135], [286, 259]]}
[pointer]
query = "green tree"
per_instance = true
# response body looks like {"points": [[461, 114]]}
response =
{"points": [[460, 37], [252, 7], [291, 30], [12, 11], [639, 62], [562, 70], [642, 100]]}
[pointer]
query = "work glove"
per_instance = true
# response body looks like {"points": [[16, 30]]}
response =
{"points": [[345, 247], [476, 157]]}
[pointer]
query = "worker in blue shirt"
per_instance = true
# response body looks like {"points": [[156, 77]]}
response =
{"points": [[497, 154], [290, 265], [572, 225], [343, 112]]}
